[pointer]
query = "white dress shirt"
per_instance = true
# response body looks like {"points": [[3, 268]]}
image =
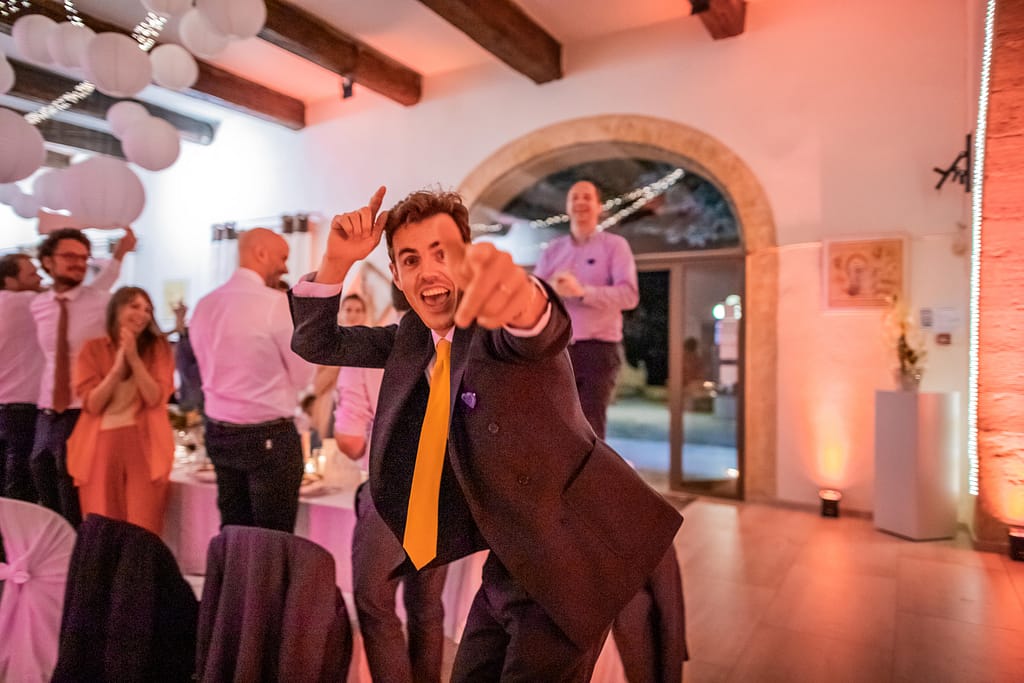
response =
{"points": [[241, 333], [21, 359], [87, 318]]}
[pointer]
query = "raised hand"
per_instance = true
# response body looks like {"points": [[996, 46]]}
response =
{"points": [[496, 292], [126, 243], [353, 236], [129, 345]]}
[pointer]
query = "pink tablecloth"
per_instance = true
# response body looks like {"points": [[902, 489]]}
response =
{"points": [[192, 520]]}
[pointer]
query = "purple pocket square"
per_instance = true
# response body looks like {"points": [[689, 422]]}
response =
{"points": [[469, 398]]}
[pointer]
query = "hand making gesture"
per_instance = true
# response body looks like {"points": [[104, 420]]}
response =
{"points": [[353, 236]]}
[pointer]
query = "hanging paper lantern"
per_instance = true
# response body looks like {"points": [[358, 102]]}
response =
{"points": [[48, 189], [116, 65], [199, 37], [153, 144], [22, 146], [125, 114], [6, 75], [25, 206], [167, 8], [30, 34], [104, 193], [173, 67], [234, 18], [66, 44], [8, 191]]}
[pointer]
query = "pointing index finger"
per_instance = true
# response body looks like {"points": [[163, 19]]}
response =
{"points": [[376, 200]]}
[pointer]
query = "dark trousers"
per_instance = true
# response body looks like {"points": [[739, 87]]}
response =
{"points": [[650, 631], [510, 638], [259, 471], [376, 552], [596, 367], [17, 433], [49, 463]]}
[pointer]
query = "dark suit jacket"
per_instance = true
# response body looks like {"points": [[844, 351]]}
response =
{"points": [[525, 475]]}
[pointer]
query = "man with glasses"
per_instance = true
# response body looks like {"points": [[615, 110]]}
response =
{"points": [[66, 316]]}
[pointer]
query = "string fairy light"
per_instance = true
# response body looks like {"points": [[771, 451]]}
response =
{"points": [[635, 199], [976, 223], [11, 7]]}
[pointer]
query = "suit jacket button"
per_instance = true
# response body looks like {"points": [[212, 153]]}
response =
{"points": [[493, 428], [523, 480]]}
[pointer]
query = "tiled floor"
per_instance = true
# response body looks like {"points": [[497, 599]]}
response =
{"points": [[781, 595]]}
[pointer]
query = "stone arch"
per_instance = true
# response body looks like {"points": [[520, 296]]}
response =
{"points": [[719, 164]]}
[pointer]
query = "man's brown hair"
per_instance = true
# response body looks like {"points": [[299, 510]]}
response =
{"points": [[420, 206]]}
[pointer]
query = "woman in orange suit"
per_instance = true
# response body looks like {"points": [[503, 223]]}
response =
{"points": [[121, 450]]}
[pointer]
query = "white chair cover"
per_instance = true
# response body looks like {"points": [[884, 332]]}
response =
{"points": [[38, 545]]}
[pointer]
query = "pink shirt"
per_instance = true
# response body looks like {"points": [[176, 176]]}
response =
{"points": [[241, 333], [358, 392], [87, 314], [21, 359]]}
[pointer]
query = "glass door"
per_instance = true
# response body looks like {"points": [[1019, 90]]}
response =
{"points": [[677, 414]]}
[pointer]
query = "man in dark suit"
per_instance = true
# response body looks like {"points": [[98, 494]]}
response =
{"points": [[573, 531]]}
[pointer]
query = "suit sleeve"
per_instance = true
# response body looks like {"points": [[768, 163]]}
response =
{"points": [[549, 342], [319, 338]]}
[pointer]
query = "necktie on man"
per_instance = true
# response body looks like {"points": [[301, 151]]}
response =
{"points": [[420, 539], [62, 366]]}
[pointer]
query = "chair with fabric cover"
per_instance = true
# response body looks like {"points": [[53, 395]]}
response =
{"points": [[129, 615], [271, 610], [37, 550]]}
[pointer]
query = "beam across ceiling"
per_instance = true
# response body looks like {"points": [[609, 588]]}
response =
{"points": [[41, 87], [214, 85], [294, 29], [722, 18], [77, 137], [507, 32]]}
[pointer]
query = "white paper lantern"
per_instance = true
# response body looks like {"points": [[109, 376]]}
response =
{"points": [[6, 75], [48, 189], [199, 37], [234, 18], [66, 44], [153, 144], [167, 8], [104, 193], [116, 65], [8, 191], [124, 115], [25, 206], [174, 67], [22, 146], [30, 34]]}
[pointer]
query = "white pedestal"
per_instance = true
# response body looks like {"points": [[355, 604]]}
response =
{"points": [[916, 478]]}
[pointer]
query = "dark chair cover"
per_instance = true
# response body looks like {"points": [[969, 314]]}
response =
{"points": [[129, 615], [271, 611]]}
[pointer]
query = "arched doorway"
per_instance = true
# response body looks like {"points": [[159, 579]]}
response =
{"points": [[507, 172]]}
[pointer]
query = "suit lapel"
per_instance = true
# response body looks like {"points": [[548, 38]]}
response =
{"points": [[460, 358]]}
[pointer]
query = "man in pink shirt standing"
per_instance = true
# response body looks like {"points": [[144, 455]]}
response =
{"points": [[241, 335], [66, 316], [21, 365]]}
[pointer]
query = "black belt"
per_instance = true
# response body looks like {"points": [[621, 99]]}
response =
{"points": [[279, 422], [24, 406], [52, 412]]}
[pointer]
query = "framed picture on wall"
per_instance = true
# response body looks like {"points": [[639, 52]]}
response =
{"points": [[863, 273]]}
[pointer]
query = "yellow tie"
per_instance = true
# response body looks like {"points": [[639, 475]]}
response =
{"points": [[420, 539]]}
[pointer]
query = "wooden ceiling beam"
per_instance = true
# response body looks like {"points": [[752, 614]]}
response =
{"points": [[41, 87], [722, 18], [214, 85], [77, 137], [294, 29], [507, 32]]}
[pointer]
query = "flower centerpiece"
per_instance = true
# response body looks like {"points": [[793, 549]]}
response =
{"points": [[903, 334]]}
